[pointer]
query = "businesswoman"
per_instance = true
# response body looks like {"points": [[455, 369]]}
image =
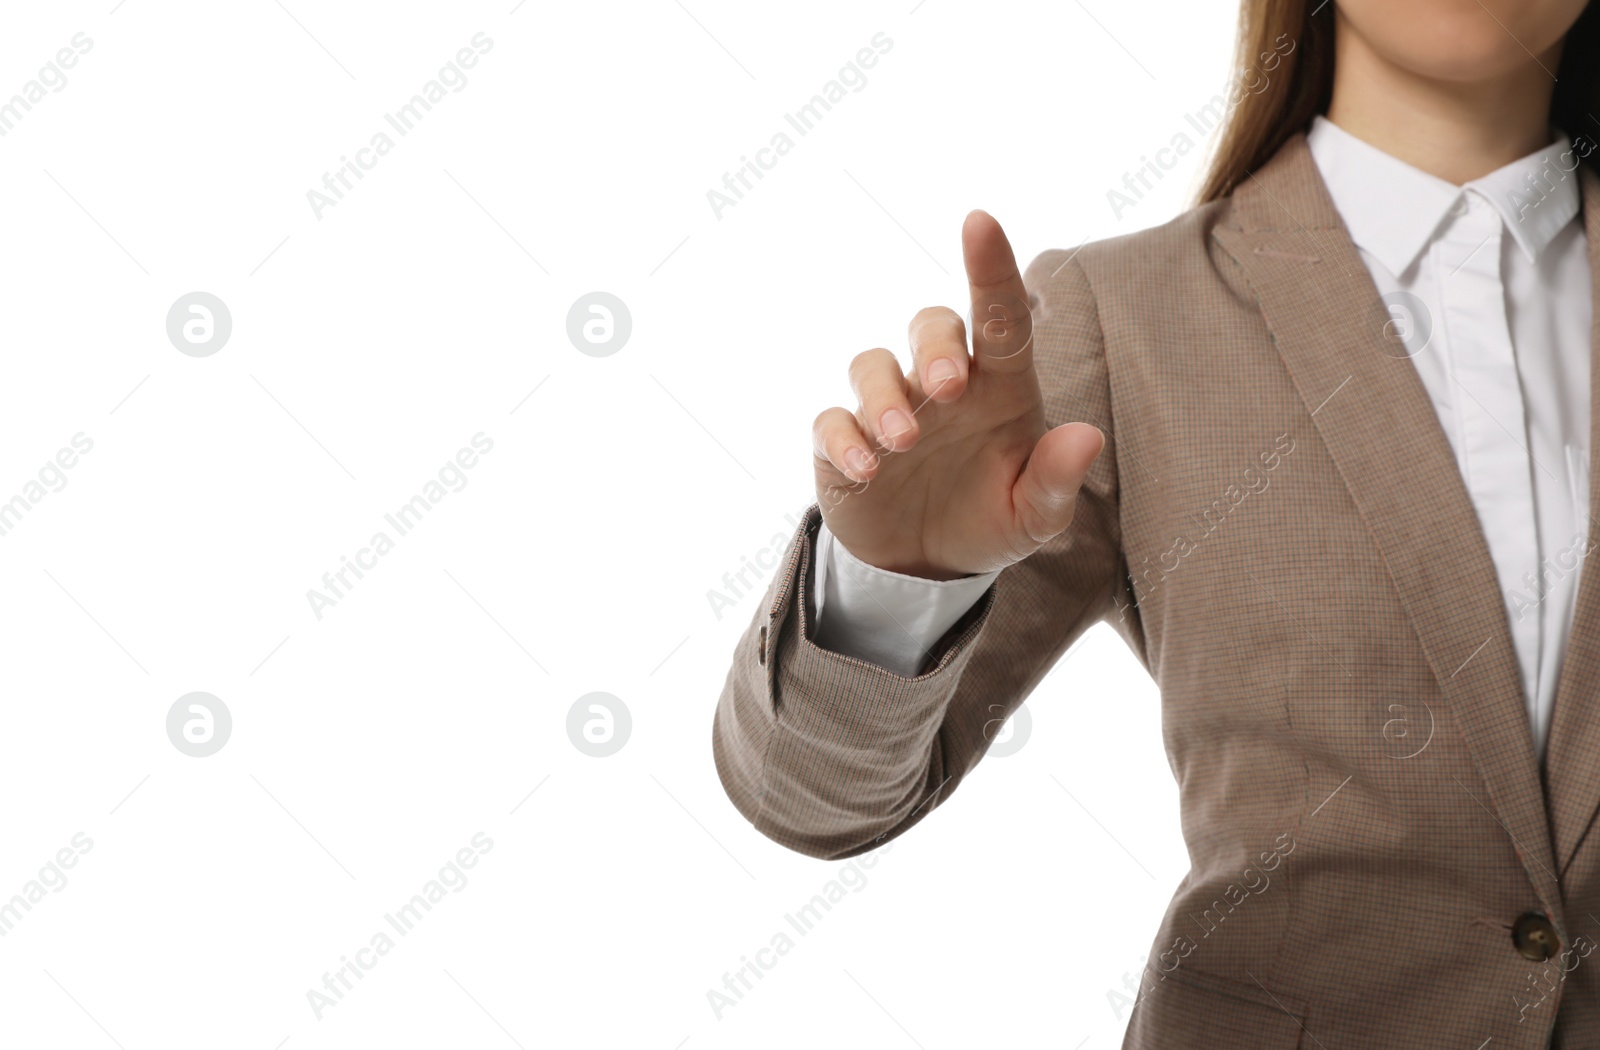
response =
{"points": [[1319, 450]]}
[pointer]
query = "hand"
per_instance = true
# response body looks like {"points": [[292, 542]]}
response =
{"points": [[948, 469]]}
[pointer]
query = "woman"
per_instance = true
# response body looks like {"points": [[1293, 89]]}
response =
{"points": [[1318, 449]]}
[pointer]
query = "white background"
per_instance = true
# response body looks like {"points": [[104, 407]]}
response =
{"points": [[368, 345]]}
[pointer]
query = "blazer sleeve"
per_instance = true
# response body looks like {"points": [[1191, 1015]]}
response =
{"points": [[831, 756]]}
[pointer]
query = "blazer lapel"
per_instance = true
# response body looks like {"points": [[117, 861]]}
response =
{"points": [[1572, 754], [1375, 416]]}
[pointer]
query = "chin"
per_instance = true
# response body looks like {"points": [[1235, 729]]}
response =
{"points": [[1461, 40]]}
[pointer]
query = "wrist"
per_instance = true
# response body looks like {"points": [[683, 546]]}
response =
{"points": [[899, 564]]}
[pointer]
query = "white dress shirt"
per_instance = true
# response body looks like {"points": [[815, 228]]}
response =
{"points": [[1488, 284]]}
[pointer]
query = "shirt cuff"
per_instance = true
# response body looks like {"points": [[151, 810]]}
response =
{"points": [[885, 618]]}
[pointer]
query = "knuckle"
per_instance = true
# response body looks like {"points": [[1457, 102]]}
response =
{"points": [[880, 382], [827, 421], [1045, 523], [869, 362], [935, 315], [1017, 551], [937, 326], [1002, 309], [1004, 329]]}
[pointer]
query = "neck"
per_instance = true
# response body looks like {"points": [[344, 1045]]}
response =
{"points": [[1456, 130]]}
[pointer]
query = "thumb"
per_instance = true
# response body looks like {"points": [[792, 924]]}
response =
{"points": [[1043, 497]]}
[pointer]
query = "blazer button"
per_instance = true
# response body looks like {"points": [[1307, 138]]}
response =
{"points": [[761, 646], [1534, 936]]}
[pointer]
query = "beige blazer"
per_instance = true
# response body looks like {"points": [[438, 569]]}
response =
{"points": [[1278, 529]]}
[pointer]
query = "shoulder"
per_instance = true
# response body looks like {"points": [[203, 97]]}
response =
{"points": [[1152, 264]]}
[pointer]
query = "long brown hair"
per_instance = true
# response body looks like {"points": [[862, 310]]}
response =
{"points": [[1276, 93]]}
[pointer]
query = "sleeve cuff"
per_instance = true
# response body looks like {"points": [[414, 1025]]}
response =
{"points": [[885, 618]]}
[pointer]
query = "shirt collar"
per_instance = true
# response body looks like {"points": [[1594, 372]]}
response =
{"points": [[1536, 196]]}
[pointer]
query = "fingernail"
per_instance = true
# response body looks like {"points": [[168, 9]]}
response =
{"points": [[857, 460], [894, 423], [941, 372]]}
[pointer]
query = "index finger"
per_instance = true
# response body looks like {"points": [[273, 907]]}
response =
{"points": [[1002, 324]]}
